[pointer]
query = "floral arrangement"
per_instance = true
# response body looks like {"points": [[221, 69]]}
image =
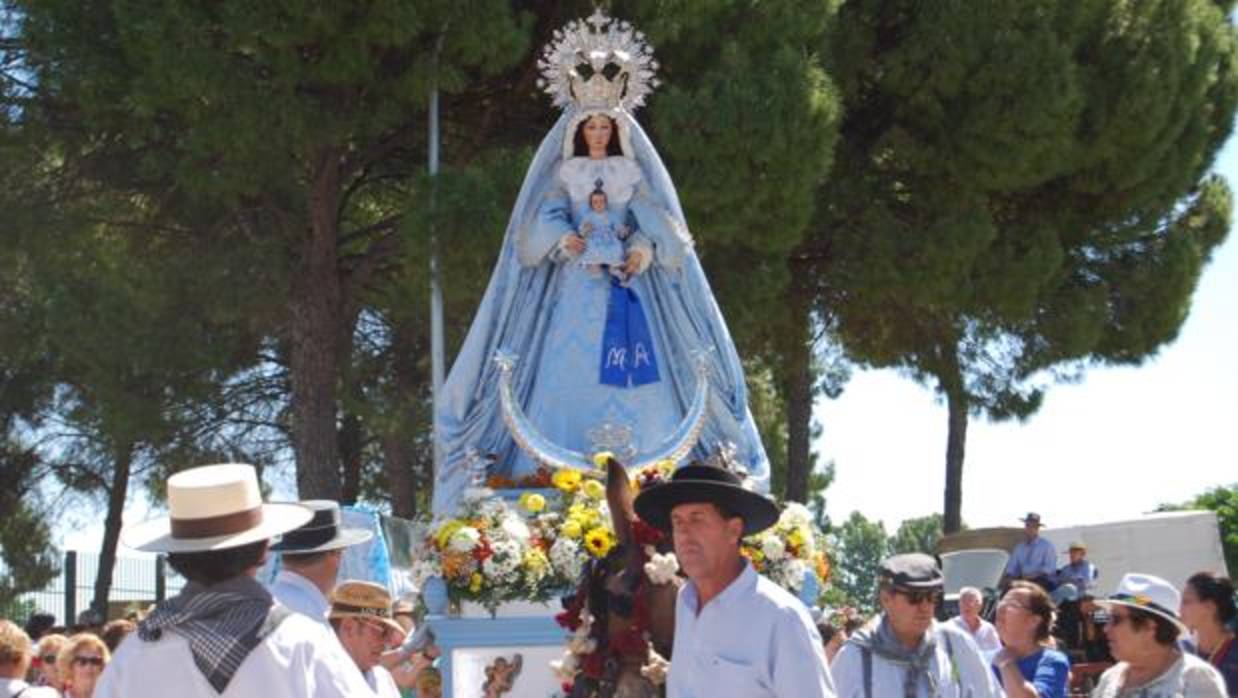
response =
{"points": [[492, 552], [788, 550]]}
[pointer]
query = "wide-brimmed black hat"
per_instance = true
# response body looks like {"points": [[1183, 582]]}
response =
{"points": [[323, 532], [705, 483]]}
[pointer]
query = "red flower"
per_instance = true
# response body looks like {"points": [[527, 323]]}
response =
{"points": [[593, 665], [568, 619], [646, 534]]}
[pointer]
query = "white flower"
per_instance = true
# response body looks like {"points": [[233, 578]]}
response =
{"points": [[566, 557], [464, 540], [564, 668], [773, 548], [657, 668], [661, 569], [515, 527], [796, 514], [581, 645], [793, 574]]}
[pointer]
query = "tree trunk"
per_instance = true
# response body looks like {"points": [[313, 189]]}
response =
{"points": [[352, 443], [797, 389], [956, 441], [399, 460], [122, 469], [317, 318]]}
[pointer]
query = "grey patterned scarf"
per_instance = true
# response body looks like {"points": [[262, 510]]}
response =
{"points": [[882, 643], [223, 624]]}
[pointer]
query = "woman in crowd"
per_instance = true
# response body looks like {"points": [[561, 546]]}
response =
{"points": [[1208, 610], [81, 661], [1027, 667], [15, 658], [48, 674], [1143, 635]]}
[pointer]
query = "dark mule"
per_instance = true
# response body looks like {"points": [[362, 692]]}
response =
{"points": [[633, 618]]}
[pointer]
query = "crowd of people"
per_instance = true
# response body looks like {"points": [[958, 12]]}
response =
{"points": [[225, 634], [737, 634]]}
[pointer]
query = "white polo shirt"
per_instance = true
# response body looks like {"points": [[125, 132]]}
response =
{"points": [[300, 658]]}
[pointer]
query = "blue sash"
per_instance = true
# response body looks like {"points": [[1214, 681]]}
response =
{"points": [[627, 346]]}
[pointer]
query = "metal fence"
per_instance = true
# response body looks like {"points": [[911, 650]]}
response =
{"points": [[136, 581]]}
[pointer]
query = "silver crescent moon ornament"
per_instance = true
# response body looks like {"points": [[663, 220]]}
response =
{"points": [[675, 447]]}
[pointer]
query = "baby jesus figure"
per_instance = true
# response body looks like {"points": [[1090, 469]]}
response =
{"points": [[604, 235]]}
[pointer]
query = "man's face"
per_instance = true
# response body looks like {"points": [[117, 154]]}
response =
{"points": [[705, 543], [1031, 530], [364, 640], [1077, 555], [910, 611], [1125, 640], [969, 606]]}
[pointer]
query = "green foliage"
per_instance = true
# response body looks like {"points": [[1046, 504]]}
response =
{"points": [[918, 535], [859, 546], [1021, 188], [1224, 501]]}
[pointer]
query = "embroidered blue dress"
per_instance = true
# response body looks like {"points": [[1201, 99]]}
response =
{"points": [[550, 311]]}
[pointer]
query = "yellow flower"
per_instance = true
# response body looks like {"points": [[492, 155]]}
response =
{"points": [[634, 483], [594, 489], [447, 531], [795, 538], [567, 480], [535, 561], [601, 458], [532, 502], [475, 582], [599, 541], [666, 465], [571, 529]]}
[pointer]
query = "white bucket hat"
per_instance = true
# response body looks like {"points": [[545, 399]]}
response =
{"points": [[1149, 594], [214, 507]]}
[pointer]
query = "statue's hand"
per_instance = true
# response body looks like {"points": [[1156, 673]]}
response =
{"points": [[574, 244], [631, 266]]}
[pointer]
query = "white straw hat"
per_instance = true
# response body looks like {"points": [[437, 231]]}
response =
{"points": [[214, 507], [1149, 594]]}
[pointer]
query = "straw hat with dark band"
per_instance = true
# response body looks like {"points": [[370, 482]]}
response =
{"points": [[357, 599], [214, 507]]}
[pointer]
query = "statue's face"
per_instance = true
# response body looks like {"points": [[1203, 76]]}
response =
{"points": [[597, 202], [597, 133]]}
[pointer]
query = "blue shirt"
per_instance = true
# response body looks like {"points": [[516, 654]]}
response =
{"points": [[1081, 575], [1047, 670], [1035, 559], [754, 639]]}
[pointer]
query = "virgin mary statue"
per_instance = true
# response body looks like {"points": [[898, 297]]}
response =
{"points": [[605, 331]]}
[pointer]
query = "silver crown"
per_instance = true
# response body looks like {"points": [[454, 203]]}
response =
{"points": [[598, 63]]}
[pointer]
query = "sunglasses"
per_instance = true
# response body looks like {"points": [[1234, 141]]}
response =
{"points": [[48, 658], [915, 598], [1116, 619], [88, 661]]}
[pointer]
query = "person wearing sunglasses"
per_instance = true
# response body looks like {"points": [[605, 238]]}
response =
{"points": [[80, 663], [15, 659], [360, 614], [48, 649], [1026, 666], [906, 653], [1143, 633]]}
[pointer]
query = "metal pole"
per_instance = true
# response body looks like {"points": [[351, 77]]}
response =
{"points": [[436, 288], [161, 579], [70, 588]]}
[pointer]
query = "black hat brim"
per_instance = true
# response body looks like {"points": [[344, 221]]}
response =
{"points": [[654, 505]]}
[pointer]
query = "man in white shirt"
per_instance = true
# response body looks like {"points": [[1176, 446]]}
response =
{"points": [[969, 620], [310, 557], [736, 632], [224, 635], [906, 653], [361, 617]]}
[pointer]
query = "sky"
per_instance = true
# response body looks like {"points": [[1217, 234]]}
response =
{"points": [[1110, 447]]}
